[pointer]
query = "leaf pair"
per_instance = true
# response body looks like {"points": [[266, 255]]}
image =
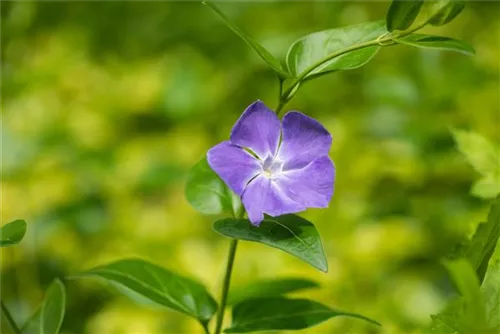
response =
{"points": [[252, 311], [484, 157], [353, 46]]}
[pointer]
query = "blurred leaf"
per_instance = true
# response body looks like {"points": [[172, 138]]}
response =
{"points": [[401, 14], [269, 288], [12, 233], [208, 194], [480, 249], [280, 313], [437, 42], [307, 53], [261, 51], [290, 233], [159, 285], [484, 158], [487, 187], [443, 11], [49, 316]]}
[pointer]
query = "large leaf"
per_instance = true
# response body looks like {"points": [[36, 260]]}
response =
{"points": [[290, 233], [261, 51], [208, 194], [12, 233], [484, 157], [280, 313], [49, 316], [437, 42], [308, 53], [159, 285], [269, 288], [402, 13], [443, 11]]}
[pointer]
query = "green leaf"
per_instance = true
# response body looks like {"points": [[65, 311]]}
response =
{"points": [[261, 51], [437, 42], [280, 313], [491, 293], [208, 194], [50, 314], [290, 233], [487, 187], [484, 158], [484, 241], [269, 288], [402, 14], [307, 55], [443, 11], [12, 233], [158, 285], [465, 279]]}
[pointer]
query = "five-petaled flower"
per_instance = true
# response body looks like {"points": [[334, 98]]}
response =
{"points": [[276, 167]]}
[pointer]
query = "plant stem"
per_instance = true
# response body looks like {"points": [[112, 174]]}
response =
{"points": [[225, 288], [9, 318]]}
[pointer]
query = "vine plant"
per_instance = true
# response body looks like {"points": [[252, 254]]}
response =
{"points": [[215, 187]]}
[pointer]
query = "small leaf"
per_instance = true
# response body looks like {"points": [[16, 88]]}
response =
{"points": [[208, 194], [261, 51], [481, 154], [269, 288], [443, 11], [280, 313], [12, 233], [401, 14], [487, 187], [159, 285], [49, 316], [307, 54], [484, 158], [290, 233], [437, 42]]}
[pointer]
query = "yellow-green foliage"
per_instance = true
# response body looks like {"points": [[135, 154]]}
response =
{"points": [[106, 106]]}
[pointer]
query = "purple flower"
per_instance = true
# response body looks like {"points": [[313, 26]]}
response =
{"points": [[276, 174]]}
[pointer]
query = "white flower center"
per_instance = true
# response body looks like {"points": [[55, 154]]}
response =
{"points": [[272, 167]]}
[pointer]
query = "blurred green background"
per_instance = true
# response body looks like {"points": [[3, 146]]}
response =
{"points": [[106, 106]]}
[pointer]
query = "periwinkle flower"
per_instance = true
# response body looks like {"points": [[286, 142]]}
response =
{"points": [[276, 167]]}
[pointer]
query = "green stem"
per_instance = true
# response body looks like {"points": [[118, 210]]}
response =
{"points": [[289, 93], [9, 318], [226, 284]]}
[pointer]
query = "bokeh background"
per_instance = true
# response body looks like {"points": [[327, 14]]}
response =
{"points": [[105, 106]]}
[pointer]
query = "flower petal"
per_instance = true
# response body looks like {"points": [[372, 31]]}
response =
{"points": [[263, 195], [304, 139], [258, 129], [311, 186], [234, 165]]}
